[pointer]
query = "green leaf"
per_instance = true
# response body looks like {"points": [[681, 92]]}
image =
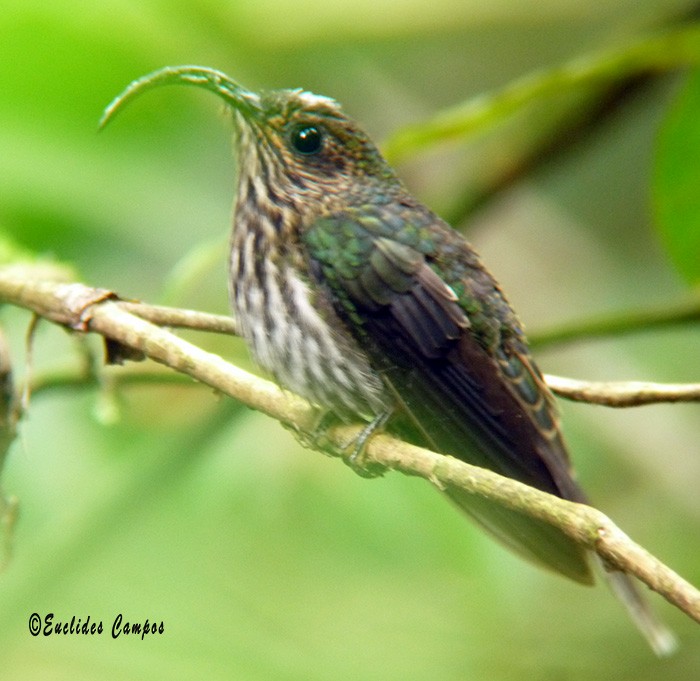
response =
{"points": [[11, 251], [668, 50], [676, 183]]}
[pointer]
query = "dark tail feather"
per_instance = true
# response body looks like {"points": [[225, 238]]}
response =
{"points": [[659, 637], [532, 539], [548, 547]]}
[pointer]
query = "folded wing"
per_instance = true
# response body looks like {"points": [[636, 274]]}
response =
{"points": [[464, 382]]}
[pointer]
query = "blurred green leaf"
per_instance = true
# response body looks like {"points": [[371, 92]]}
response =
{"points": [[11, 251], [670, 50], [676, 187]]}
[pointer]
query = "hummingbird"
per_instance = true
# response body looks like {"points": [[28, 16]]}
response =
{"points": [[358, 297]]}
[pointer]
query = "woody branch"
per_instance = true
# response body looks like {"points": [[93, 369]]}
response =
{"points": [[90, 310]]}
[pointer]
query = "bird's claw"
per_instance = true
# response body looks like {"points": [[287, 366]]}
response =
{"points": [[353, 450], [356, 459]]}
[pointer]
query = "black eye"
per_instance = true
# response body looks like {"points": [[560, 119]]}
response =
{"points": [[307, 139]]}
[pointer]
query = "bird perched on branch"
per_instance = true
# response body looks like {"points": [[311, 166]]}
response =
{"points": [[356, 296]]}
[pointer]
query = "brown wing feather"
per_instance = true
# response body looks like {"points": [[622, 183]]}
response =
{"points": [[456, 400]]}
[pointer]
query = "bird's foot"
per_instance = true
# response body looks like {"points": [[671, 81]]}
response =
{"points": [[317, 438], [356, 447], [352, 451]]}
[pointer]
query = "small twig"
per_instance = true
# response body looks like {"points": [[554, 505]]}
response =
{"points": [[125, 376], [622, 393], [183, 319], [607, 393], [611, 394]]}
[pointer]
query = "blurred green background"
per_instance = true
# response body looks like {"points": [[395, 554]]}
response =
{"points": [[264, 560]]}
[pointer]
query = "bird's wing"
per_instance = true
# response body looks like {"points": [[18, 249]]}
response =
{"points": [[462, 389]]}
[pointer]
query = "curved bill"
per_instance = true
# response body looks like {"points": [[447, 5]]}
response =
{"points": [[248, 103]]}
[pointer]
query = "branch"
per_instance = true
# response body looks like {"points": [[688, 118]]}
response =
{"points": [[608, 393], [584, 524], [99, 311], [87, 309], [183, 319], [622, 393]]}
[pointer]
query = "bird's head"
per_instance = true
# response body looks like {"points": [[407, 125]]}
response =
{"points": [[299, 145]]}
